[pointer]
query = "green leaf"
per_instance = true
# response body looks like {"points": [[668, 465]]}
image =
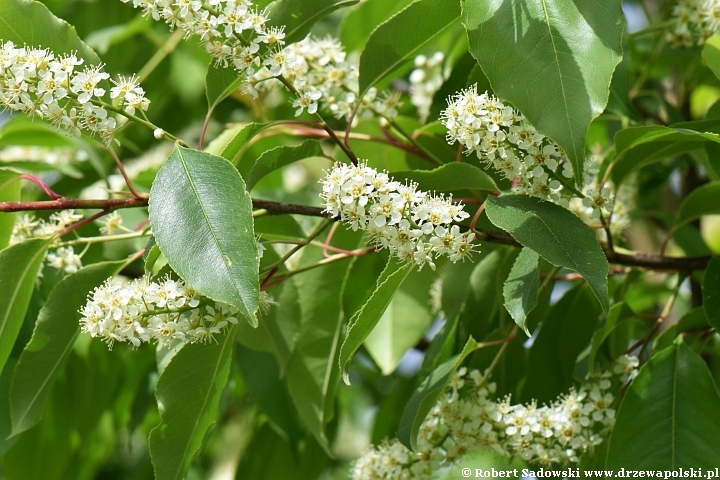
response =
{"points": [[427, 395], [201, 217], [711, 54], [693, 320], [55, 332], [9, 192], [556, 234], [711, 292], [298, 16], [19, 266], [403, 36], [312, 371], [669, 417], [564, 333], [150, 256], [279, 157], [233, 150], [703, 200], [368, 317], [220, 82], [188, 396], [451, 176], [552, 59], [102, 39], [403, 323], [640, 146], [617, 313], [520, 290], [30, 22], [278, 227], [362, 19]]}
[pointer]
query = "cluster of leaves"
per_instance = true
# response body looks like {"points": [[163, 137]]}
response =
{"points": [[265, 399]]}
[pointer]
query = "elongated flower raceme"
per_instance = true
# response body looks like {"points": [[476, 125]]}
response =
{"points": [[59, 89], [165, 311], [414, 225], [466, 419]]}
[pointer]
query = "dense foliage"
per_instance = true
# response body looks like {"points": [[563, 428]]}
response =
{"points": [[325, 239]]}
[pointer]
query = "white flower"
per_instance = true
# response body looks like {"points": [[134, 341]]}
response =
{"points": [[64, 258], [307, 99]]}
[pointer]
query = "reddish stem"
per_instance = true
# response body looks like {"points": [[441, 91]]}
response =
{"points": [[328, 239], [82, 222], [480, 209], [48, 191], [124, 175]]}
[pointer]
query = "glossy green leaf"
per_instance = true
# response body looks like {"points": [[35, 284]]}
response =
{"points": [[451, 176], [520, 290], [362, 19], [235, 146], [204, 194], [279, 157], [704, 200], [188, 396], [711, 292], [640, 146], [693, 320], [55, 332], [299, 16], [427, 395], [220, 82], [312, 370], [403, 323], [617, 313], [556, 234], [150, 256], [711, 54], [403, 36], [19, 264], [30, 22], [9, 192], [552, 59], [669, 417], [368, 317]]}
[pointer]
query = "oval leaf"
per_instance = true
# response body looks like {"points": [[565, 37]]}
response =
{"points": [[55, 332], [520, 290], [298, 16], [703, 200], [556, 234], [201, 217], [19, 266], [553, 59], [279, 157], [30, 22], [220, 83], [365, 320], [234, 148], [669, 417], [427, 395], [362, 19], [451, 176], [400, 38], [188, 394], [711, 54]]}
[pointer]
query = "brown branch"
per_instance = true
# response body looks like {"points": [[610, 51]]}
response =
{"points": [[641, 260]]}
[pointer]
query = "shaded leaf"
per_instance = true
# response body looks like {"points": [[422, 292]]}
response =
{"points": [[704, 200], [520, 290], [298, 16], [279, 157], [220, 82], [403, 36], [365, 320], [711, 54], [556, 234], [55, 332], [451, 176], [427, 395], [553, 59], [617, 313], [711, 292], [669, 416], [188, 396], [204, 194], [363, 18], [234, 147], [693, 320], [19, 264], [9, 192]]}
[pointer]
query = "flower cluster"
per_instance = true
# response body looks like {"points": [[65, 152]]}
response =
{"points": [[694, 22], [425, 80], [501, 137], [466, 419], [28, 227], [35, 81], [64, 258], [323, 77], [165, 311], [51, 156], [414, 225]]}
